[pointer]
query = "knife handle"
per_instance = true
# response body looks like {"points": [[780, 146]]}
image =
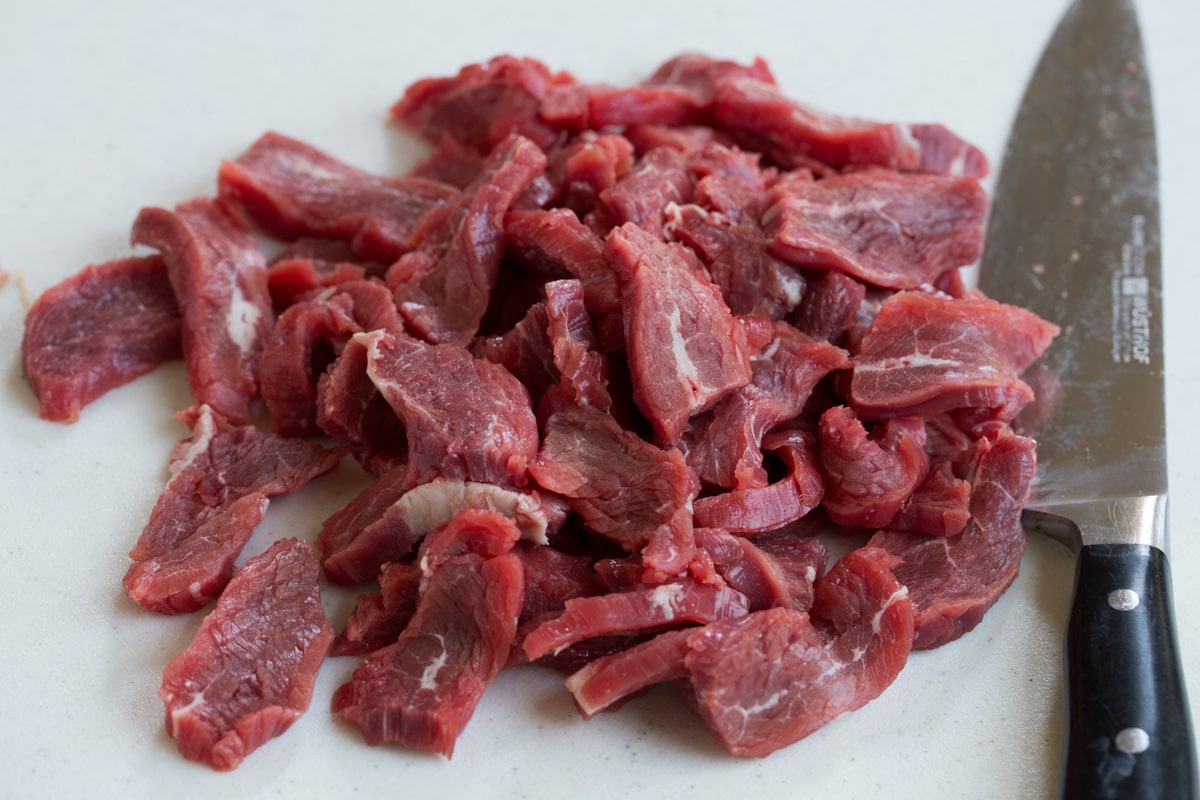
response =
{"points": [[1128, 730]]}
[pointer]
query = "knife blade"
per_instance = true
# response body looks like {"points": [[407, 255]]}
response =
{"points": [[1073, 235]]}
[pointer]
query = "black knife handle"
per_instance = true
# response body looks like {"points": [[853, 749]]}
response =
{"points": [[1128, 726]]}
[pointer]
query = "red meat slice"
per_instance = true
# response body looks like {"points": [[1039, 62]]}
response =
{"points": [[884, 228], [752, 280], [352, 411], [925, 354], [941, 506], [829, 307], [954, 581], [583, 372], [870, 476], [378, 618], [220, 280], [647, 608], [756, 509], [484, 103], [307, 337], [680, 92], [766, 680], [386, 521], [292, 189], [524, 351], [769, 578], [97, 330], [248, 674], [723, 445], [685, 349], [452, 162], [422, 690], [623, 487], [217, 494], [603, 682], [793, 132], [464, 418], [442, 288], [641, 196]]}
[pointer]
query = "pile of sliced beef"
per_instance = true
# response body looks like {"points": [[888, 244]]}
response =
{"points": [[626, 365]]}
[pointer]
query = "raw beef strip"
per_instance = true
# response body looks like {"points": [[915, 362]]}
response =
{"points": [[97, 330], [755, 509], [868, 477], [452, 163], [422, 690], [829, 307], [925, 354], [768, 679], [752, 280], [220, 280], [442, 287], [667, 605], [483, 103], [465, 418], [524, 351], [766, 579], [954, 581], [687, 139], [378, 618], [352, 411], [788, 128], [641, 196], [941, 506], [582, 167], [552, 577], [217, 494], [685, 349], [481, 531], [886, 228], [680, 92], [623, 487], [386, 521], [292, 189], [306, 338], [722, 445], [249, 672], [583, 371], [291, 278]]}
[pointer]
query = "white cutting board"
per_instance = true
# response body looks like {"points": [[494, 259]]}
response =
{"points": [[106, 107]]}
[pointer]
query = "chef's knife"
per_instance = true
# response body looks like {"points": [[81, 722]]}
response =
{"points": [[1073, 235]]}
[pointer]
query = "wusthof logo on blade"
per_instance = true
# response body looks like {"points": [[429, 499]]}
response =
{"points": [[1131, 300]]}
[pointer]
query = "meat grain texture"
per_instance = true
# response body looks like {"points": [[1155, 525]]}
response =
{"points": [[619, 359]]}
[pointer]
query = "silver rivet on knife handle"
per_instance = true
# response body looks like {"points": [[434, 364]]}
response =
{"points": [[1124, 600], [1133, 741]]}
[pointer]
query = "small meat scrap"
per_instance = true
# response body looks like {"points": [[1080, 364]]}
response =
{"points": [[221, 479], [97, 330], [249, 672], [294, 190], [926, 353], [422, 690], [685, 349], [882, 227], [219, 277]]}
